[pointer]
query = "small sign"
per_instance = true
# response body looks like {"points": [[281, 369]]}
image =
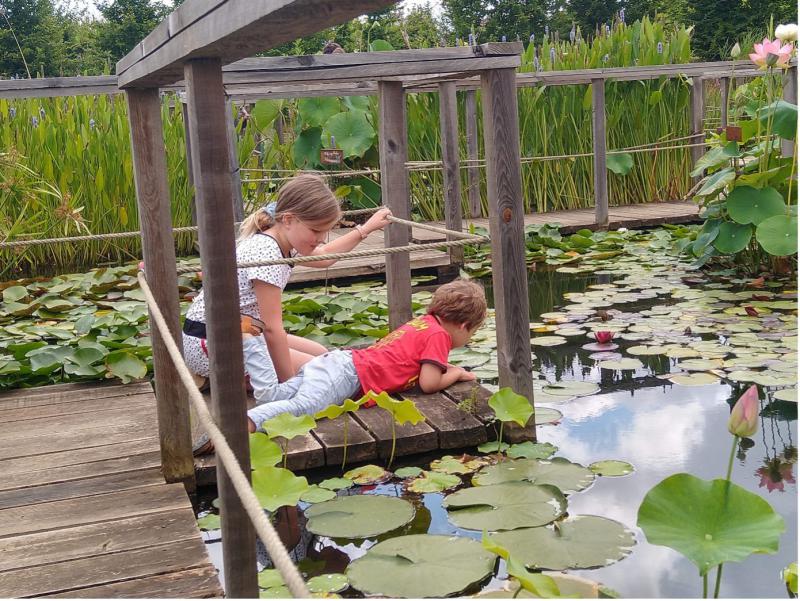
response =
{"points": [[733, 133], [331, 156]]}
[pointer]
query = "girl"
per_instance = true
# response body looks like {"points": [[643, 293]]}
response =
{"points": [[296, 224]]}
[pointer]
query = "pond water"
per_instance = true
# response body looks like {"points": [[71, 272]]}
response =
{"points": [[659, 427]]}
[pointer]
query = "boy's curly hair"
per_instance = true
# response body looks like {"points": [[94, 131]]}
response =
{"points": [[459, 301]]}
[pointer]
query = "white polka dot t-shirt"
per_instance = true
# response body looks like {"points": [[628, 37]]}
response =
{"points": [[259, 247]]}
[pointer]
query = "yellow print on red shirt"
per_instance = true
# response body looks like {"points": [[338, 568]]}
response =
{"points": [[418, 324]]}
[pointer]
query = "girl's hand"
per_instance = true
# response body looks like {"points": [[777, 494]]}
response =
{"points": [[377, 221]]}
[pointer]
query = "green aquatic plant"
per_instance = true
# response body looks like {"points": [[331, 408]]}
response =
{"points": [[404, 411], [540, 585], [334, 411], [287, 426], [509, 406]]}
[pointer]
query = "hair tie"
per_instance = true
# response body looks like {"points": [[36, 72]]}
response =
{"points": [[269, 209]]}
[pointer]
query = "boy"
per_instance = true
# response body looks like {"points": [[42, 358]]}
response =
{"points": [[414, 354]]}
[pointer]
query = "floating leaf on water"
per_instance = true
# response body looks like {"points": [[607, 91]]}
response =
{"points": [[368, 474], [571, 388], [492, 447], [786, 394], [210, 521], [531, 450], [600, 347], [611, 467], [699, 378], [568, 477], [505, 506], [408, 472], [704, 520], [700, 364], [358, 516], [580, 542], [421, 565], [270, 579], [336, 483], [277, 487], [622, 364], [775, 378], [328, 583], [317, 494], [434, 482], [546, 415], [647, 350], [548, 340], [457, 465], [605, 356]]}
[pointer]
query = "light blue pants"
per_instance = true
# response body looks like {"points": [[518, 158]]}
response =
{"points": [[263, 377], [328, 379]]}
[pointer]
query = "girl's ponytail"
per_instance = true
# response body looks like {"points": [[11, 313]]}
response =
{"points": [[258, 221]]}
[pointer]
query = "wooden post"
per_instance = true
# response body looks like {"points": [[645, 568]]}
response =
{"points": [[506, 228], [789, 95], [208, 122], [188, 141], [158, 250], [724, 84], [394, 188], [236, 176], [448, 126], [599, 148], [473, 172], [696, 112]]}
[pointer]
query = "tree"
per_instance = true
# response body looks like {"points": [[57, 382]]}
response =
{"points": [[126, 23], [589, 13], [29, 38]]}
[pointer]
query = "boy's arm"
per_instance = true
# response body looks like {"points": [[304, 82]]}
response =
{"points": [[432, 379]]}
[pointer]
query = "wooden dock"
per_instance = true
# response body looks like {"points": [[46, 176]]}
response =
{"points": [[369, 432], [629, 216], [84, 509]]}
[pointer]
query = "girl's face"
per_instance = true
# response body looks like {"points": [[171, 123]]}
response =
{"points": [[305, 236]]}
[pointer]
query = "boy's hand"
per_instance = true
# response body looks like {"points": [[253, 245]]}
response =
{"points": [[466, 376], [378, 220]]}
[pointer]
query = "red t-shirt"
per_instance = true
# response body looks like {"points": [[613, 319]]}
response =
{"points": [[394, 362]]}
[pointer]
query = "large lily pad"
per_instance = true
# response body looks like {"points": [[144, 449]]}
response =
{"points": [[548, 340], [611, 467], [733, 237], [622, 364], [367, 474], [571, 388], [433, 482], [778, 235], [421, 565], [568, 477], [531, 450], [505, 506], [753, 205], [710, 522], [584, 541], [358, 516]]}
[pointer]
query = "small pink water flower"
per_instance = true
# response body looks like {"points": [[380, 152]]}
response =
{"points": [[744, 417], [774, 473], [604, 336], [771, 54]]}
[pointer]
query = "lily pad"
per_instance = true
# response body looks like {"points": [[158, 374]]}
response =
{"points": [[778, 235], [505, 506], [408, 472], [455, 465], [786, 394], [580, 542], [710, 522], [600, 347], [531, 450], [126, 366], [733, 237], [421, 565], [699, 378], [622, 364], [647, 350], [571, 388], [317, 494], [492, 447], [210, 521], [611, 468], [288, 425], [263, 451], [368, 474], [546, 415], [336, 483], [700, 364], [433, 482], [548, 340], [753, 205], [328, 583], [358, 516], [568, 477], [277, 487]]}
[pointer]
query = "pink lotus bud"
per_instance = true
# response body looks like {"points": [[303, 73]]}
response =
{"points": [[744, 417], [141, 265], [604, 337]]}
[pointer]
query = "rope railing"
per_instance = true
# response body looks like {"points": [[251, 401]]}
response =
{"points": [[264, 529]]}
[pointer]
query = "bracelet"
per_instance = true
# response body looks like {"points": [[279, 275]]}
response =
{"points": [[360, 229]]}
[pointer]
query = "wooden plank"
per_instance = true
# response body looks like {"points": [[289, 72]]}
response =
{"points": [[599, 150], [119, 465], [139, 401], [94, 509], [91, 540], [456, 428], [158, 250], [200, 583], [331, 434], [55, 441], [71, 423], [62, 393], [451, 172], [473, 172], [410, 439], [91, 571], [211, 167], [304, 453], [478, 399], [506, 226], [234, 30], [393, 150]]}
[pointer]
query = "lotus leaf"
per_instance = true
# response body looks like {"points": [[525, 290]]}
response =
{"points": [[316, 111], [125, 366], [580, 542], [611, 467], [289, 426], [531, 450], [336, 483], [733, 237], [778, 235], [571, 388], [367, 474], [408, 472], [548, 340], [457, 465], [353, 133], [546, 415], [622, 364], [433, 482], [263, 451], [699, 378], [505, 506], [568, 477], [753, 205], [492, 447], [421, 565], [306, 147], [647, 350], [774, 378], [700, 364], [402, 411], [317, 494], [277, 487], [710, 522], [742, 375], [210, 521], [14, 294], [509, 406], [786, 394], [328, 583], [264, 112], [358, 516]]}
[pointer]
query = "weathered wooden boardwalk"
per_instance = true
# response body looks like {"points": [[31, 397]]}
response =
{"points": [[629, 216], [369, 432], [84, 509]]}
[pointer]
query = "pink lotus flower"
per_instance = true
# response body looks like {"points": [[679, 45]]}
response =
{"points": [[771, 54], [744, 417], [604, 337]]}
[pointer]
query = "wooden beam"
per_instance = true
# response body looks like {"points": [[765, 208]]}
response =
{"points": [[211, 166], [473, 172], [158, 250], [506, 227], [230, 30], [789, 95], [44, 87], [696, 113], [451, 172], [393, 140], [599, 148]]}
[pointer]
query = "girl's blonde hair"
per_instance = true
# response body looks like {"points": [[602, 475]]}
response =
{"points": [[306, 196]]}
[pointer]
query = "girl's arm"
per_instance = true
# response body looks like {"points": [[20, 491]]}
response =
{"points": [[351, 239], [269, 305], [431, 378]]}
